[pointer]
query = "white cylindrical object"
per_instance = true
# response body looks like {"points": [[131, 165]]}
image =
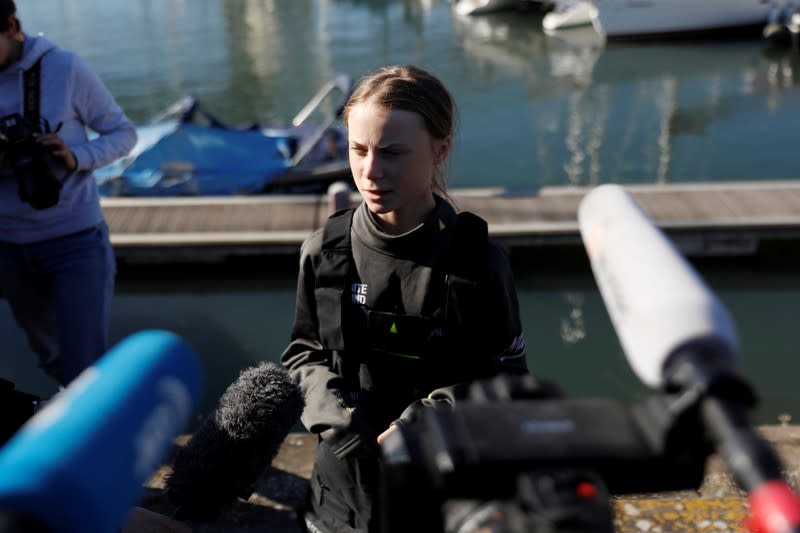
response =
{"points": [[656, 300]]}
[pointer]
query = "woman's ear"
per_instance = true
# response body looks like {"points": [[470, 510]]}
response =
{"points": [[441, 149]]}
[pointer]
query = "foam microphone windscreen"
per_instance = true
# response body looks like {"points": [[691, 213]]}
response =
{"points": [[235, 443]]}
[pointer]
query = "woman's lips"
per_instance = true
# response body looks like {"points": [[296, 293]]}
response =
{"points": [[375, 194]]}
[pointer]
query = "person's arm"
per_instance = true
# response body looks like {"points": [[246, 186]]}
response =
{"points": [[99, 111], [328, 411], [504, 339]]}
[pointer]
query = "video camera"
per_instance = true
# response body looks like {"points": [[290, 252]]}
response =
{"points": [[34, 167], [543, 464], [514, 457]]}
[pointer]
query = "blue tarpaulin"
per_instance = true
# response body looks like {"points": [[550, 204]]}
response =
{"points": [[199, 160]]}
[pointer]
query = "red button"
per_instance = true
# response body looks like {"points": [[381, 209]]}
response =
{"points": [[585, 490]]}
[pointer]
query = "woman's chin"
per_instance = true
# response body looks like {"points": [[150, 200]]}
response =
{"points": [[379, 206]]}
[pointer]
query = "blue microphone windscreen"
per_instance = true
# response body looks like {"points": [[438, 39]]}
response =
{"points": [[80, 463]]}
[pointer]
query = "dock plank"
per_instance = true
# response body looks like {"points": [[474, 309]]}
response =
{"points": [[272, 224]]}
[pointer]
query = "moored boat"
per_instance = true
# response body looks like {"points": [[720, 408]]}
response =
{"points": [[569, 14], [479, 7], [783, 28], [646, 19], [186, 151]]}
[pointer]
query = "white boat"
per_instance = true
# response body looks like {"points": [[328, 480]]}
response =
{"points": [[479, 7], [637, 19], [783, 28], [569, 14]]}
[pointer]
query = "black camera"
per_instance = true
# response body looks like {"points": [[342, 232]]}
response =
{"points": [[510, 459], [17, 408], [34, 167]]}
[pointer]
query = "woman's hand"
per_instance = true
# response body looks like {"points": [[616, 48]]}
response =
{"points": [[58, 148], [385, 434]]}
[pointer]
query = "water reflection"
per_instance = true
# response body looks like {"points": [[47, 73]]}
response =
{"points": [[573, 329], [653, 113], [235, 318], [536, 109]]}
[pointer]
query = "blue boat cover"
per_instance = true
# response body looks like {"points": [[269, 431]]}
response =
{"points": [[201, 160]]}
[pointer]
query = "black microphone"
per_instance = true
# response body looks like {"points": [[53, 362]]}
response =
{"points": [[235, 443]]}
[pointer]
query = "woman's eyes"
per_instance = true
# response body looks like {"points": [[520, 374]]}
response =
{"points": [[386, 152]]}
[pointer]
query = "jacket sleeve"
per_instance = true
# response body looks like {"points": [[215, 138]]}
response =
{"points": [[98, 110], [328, 412], [504, 339], [501, 340]]}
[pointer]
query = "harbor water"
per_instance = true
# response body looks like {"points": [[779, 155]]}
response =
{"points": [[236, 316], [535, 110]]}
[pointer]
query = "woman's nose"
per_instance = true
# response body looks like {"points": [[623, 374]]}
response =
{"points": [[372, 167]]}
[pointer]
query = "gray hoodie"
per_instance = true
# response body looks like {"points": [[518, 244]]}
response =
{"points": [[73, 96]]}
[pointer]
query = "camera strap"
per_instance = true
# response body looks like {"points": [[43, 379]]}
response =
{"points": [[32, 83]]}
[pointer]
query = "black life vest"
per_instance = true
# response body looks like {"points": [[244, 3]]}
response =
{"points": [[345, 325]]}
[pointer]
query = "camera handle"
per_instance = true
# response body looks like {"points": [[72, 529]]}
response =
{"points": [[722, 399], [546, 501]]}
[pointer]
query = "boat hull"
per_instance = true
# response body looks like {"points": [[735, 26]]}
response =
{"points": [[479, 7], [572, 15], [636, 19]]}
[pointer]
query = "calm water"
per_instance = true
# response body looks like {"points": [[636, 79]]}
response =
{"points": [[534, 110], [244, 316]]}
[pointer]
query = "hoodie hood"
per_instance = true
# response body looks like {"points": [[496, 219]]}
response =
{"points": [[33, 49]]}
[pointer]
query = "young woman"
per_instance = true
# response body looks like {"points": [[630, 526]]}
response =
{"points": [[398, 300]]}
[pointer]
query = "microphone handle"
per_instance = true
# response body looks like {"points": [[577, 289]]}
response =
{"points": [[774, 506]]}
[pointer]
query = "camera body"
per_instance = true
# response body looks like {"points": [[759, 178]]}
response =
{"points": [[543, 464], [32, 164], [18, 407]]}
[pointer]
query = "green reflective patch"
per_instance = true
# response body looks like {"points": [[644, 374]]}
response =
{"points": [[393, 329], [398, 354], [441, 225]]}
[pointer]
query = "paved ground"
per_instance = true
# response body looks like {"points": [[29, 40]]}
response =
{"points": [[717, 507]]}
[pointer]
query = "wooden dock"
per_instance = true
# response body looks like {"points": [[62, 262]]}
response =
{"points": [[704, 219]]}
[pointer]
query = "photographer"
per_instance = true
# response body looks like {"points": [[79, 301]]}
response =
{"points": [[56, 263]]}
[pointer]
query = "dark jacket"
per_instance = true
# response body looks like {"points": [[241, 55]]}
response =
{"points": [[354, 392]]}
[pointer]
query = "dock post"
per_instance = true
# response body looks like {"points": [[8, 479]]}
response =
{"points": [[338, 196]]}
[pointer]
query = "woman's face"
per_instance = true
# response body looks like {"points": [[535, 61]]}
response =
{"points": [[393, 157]]}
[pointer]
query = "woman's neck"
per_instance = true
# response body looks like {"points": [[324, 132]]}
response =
{"points": [[402, 221]]}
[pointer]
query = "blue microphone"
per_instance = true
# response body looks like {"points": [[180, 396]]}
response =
{"points": [[81, 462]]}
